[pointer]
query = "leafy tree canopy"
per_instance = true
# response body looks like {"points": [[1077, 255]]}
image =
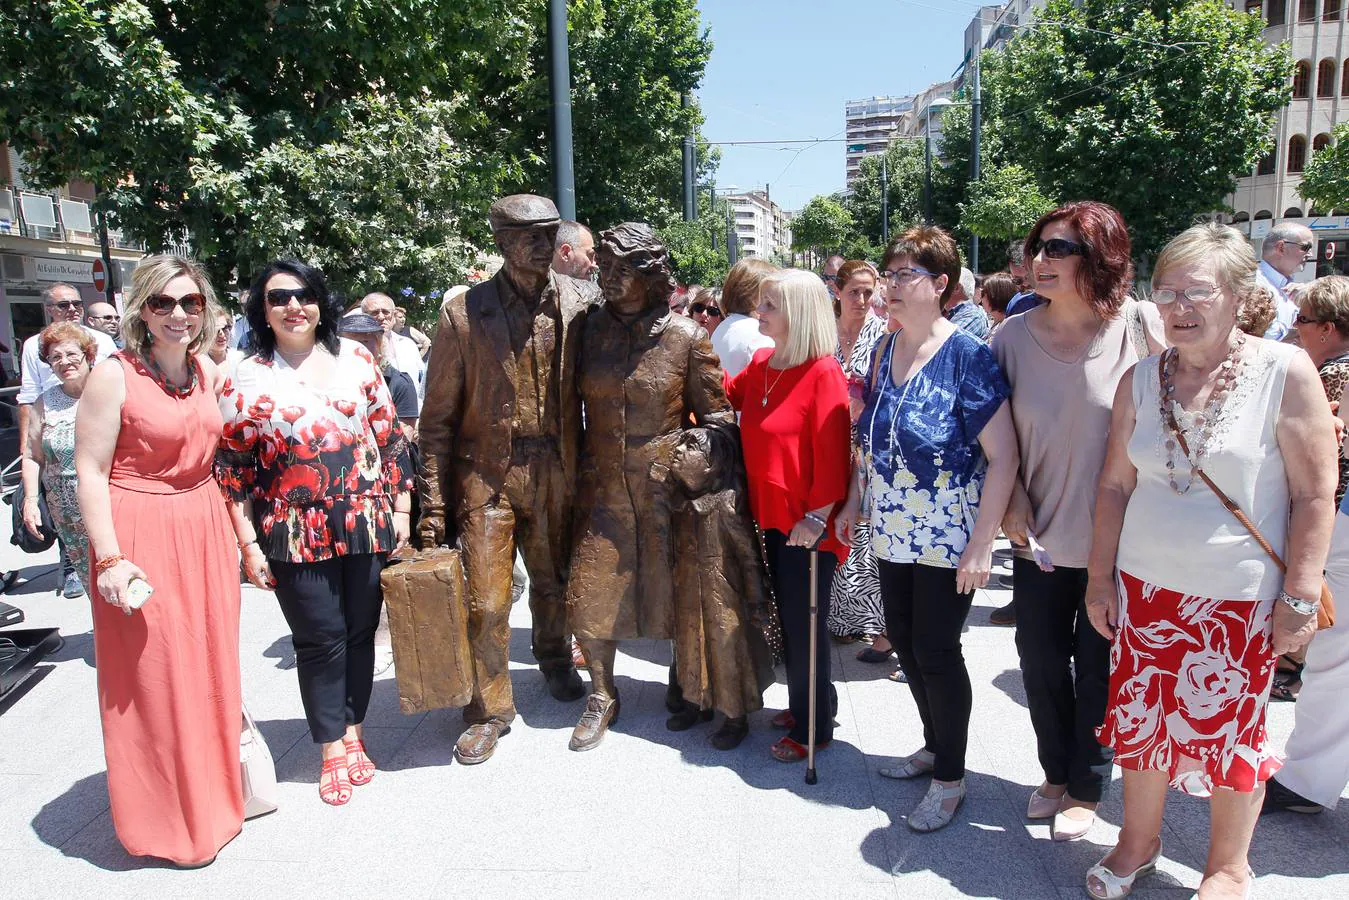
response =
{"points": [[1003, 204], [823, 224], [1157, 120], [1325, 182], [368, 135]]}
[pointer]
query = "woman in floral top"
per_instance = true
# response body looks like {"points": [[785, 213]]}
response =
{"points": [[317, 472], [939, 457]]}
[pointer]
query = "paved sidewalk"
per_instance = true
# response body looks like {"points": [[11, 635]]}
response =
{"points": [[650, 813]]}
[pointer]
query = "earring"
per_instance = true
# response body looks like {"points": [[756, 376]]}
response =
{"points": [[1323, 338]]}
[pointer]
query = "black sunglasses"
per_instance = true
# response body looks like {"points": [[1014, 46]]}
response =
{"points": [[699, 308], [279, 297], [1057, 248], [66, 305], [829, 279], [163, 304], [1304, 247]]}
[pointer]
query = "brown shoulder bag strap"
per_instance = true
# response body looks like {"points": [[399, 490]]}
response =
{"points": [[1226, 501]]}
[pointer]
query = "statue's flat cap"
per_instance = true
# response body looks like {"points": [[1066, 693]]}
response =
{"points": [[521, 211]]}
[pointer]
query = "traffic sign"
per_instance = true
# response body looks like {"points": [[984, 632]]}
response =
{"points": [[100, 276]]}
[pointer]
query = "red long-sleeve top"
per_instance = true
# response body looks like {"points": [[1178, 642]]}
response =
{"points": [[797, 435]]}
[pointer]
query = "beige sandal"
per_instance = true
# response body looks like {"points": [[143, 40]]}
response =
{"points": [[920, 763], [1104, 884]]}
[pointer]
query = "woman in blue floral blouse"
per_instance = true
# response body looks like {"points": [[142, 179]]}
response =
{"points": [[939, 456], [316, 468]]}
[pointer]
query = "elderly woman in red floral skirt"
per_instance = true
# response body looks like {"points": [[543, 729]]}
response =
{"points": [[1197, 610]]}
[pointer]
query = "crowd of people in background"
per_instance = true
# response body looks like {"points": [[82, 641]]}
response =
{"points": [[1161, 454]]}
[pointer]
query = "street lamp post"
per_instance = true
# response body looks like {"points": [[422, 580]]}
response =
{"points": [[939, 104], [564, 170]]}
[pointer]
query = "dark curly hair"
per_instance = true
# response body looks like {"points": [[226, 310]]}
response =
{"points": [[636, 244], [1107, 269], [262, 339]]}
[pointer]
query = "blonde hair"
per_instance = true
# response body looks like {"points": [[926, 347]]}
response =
{"points": [[150, 278], [1327, 298], [808, 313], [1233, 259]]}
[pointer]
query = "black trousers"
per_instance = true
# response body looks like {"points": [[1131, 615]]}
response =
{"points": [[332, 608], [789, 568], [923, 619], [1065, 666]]}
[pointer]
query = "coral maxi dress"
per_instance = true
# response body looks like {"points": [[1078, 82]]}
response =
{"points": [[168, 674]]}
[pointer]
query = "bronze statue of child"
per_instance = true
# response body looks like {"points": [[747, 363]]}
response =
{"points": [[725, 623]]}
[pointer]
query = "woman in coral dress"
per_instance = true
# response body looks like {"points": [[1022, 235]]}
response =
{"points": [[168, 671]]}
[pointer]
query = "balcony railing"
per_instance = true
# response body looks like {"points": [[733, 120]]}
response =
{"points": [[51, 217]]}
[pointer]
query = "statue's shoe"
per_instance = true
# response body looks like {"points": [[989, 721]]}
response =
{"points": [[477, 744], [601, 712]]}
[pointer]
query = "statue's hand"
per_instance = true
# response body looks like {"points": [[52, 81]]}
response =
{"points": [[431, 530]]}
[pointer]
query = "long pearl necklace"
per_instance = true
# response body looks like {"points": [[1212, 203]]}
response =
{"points": [[1205, 422]]}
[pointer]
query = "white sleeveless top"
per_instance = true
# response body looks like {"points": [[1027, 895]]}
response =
{"points": [[1189, 542]]}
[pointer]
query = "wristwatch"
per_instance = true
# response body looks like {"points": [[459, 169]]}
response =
{"points": [[1298, 605]]}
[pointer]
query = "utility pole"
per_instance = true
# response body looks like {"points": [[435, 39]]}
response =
{"points": [[690, 197], [927, 167], [732, 240], [108, 289], [885, 198], [976, 109], [564, 169]]}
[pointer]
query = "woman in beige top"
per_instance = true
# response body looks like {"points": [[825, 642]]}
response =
{"points": [[1063, 360]]}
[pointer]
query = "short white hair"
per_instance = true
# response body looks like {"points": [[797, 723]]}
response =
{"points": [[967, 283], [808, 313]]}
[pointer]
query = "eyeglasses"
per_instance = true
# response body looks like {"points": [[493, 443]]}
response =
{"points": [[700, 308], [281, 297], [829, 279], [65, 305], [1305, 248], [225, 329], [163, 304], [58, 358], [383, 314], [1198, 293], [908, 273], [111, 318], [1057, 248], [1303, 320]]}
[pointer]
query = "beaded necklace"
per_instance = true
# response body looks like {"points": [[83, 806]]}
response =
{"points": [[162, 379], [1205, 421]]}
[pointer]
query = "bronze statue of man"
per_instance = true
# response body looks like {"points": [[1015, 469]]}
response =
{"points": [[643, 374], [500, 430]]}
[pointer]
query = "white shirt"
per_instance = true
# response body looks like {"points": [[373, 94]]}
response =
{"points": [[1285, 310], [38, 376], [1189, 542], [407, 358], [736, 340]]}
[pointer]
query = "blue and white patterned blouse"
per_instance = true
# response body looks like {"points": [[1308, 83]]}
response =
{"points": [[920, 444]]}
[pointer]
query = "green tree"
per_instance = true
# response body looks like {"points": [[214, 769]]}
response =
{"points": [[904, 171], [698, 248], [823, 225], [247, 129], [1325, 182], [1003, 204], [1153, 106]]}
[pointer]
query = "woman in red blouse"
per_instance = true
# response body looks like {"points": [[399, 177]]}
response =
{"points": [[796, 430], [316, 468]]}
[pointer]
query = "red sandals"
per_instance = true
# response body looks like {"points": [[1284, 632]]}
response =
{"points": [[363, 767], [789, 751], [334, 781]]}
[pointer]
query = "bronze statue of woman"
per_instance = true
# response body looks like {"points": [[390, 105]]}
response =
{"points": [[645, 375]]}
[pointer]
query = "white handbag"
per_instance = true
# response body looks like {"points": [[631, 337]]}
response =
{"points": [[258, 771]]}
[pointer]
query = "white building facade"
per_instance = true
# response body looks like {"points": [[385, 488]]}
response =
{"points": [[762, 227], [1315, 32], [45, 237], [869, 125]]}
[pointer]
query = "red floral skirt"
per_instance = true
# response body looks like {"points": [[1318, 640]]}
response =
{"points": [[1189, 679]]}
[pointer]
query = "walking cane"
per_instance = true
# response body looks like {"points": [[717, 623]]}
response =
{"points": [[811, 777]]}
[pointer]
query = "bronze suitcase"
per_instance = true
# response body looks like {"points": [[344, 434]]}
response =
{"points": [[428, 623]]}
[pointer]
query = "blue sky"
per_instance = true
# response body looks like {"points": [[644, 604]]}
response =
{"points": [[782, 69]]}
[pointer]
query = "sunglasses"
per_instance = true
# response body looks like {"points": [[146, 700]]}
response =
{"points": [[279, 297], [66, 305], [700, 308], [1057, 248], [830, 279], [1303, 247], [104, 318], [162, 304]]}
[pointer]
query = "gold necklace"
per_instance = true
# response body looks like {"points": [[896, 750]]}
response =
{"points": [[766, 388]]}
